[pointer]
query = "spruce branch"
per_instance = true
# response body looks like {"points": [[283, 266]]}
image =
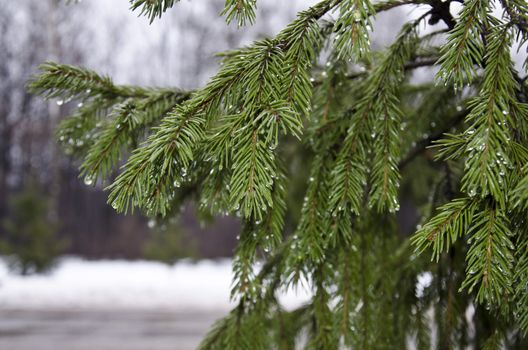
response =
{"points": [[127, 121], [517, 10], [310, 237], [68, 82], [380, 108], [489, 259], [352, 29], [167, 154], [152, 8], [253, 173], [302, 41], [345, 304], [521, 278], [153, 170], [322, 336], [452, 222], [78, 132], [489, 134], [266, 234], [520, 191], [251, 311], [495, 341], [249, 80], [243, 11], [463, 52], [348, 178]]}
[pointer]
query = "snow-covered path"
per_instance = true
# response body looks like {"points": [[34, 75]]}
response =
{"points": [[103, 330], [116, 305]]}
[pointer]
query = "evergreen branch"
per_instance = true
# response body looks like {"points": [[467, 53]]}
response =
{"points": [[152, 170], [218, 150], [328, 99], [323, 336], [214, 338], [77, 133], [304, 40], [489, 258], [243, 320], [128, 119], [452, 221], [352, 29], [520, 191], [384, 116], [450, 147], [253, 173], [266, 234], [378, 110], [464, 48], [240, 330], [494, 342], [309, 238], [344, 308], [219, 139], [521, 277], [214, 198], [152, 8], [253, 159], [174, 143], [243, 11], [489, 133], [340, 229], [67, 82], [278, 116], [99, 93], [517, 10], [244, 283], [249, 79], [348, 178], [105, 152]]}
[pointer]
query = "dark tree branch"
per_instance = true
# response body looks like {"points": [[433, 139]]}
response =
{"points": [[440, 12], [423, 144]]}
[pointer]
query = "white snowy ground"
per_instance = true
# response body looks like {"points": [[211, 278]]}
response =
{"points": [[130, 285], [116, 305]]}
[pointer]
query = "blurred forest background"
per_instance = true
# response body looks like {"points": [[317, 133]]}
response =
{"points": [[45, 209]]}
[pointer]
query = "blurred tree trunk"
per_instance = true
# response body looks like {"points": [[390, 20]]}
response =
{"points": [[54, 50], [5, 129], [5, 161]]}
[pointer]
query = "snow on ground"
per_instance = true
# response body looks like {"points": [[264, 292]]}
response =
{"points": [[108, 285]]}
